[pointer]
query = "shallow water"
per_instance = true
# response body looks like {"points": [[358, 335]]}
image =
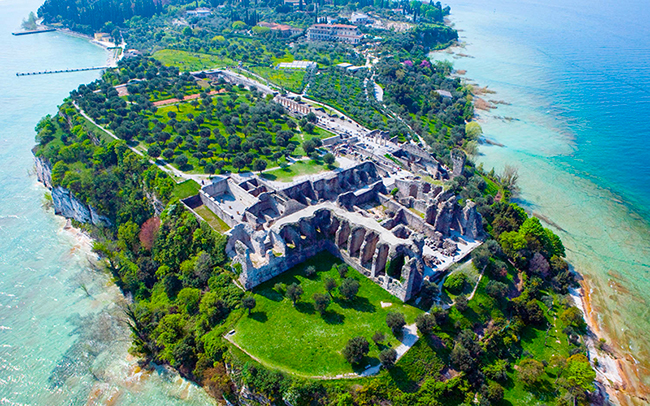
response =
{"points": [[58, 345], [576, 77]]}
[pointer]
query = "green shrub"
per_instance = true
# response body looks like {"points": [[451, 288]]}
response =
{"points": [[456, 282]]}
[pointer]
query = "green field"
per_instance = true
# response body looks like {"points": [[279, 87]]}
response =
{"points": [[289, 79], [215, 222], [301, 341], [191, 61], [299, 168], [186, 189]]}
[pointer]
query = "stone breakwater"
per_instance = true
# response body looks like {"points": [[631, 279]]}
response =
{"points": [[64, 201]]}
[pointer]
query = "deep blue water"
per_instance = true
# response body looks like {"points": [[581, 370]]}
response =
{"points": [[596, 61]]}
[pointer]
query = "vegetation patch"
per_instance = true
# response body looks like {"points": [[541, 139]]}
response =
{"points": [[215, 222], [289, 79], [191, 61], [301, 340], [299, 168], [186, 189]]}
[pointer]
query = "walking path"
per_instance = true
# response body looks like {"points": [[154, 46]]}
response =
{"points": [[165, 166]]}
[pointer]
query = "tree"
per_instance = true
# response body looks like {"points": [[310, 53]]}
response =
{"points": [[425, 323], [189, 299], [530, 371], [493, 393], [356, 349], [461, 303], [238, 162], [249, 303], [579, 376], [349, 288], [321, 301], [309, 146], [439, 314], [496, 289], [330, 285], [154, 151], [573, 317], [310, 271], [259, 165], [128, 237], [212, 308], [378, 337], [343, 270], [395, 321], [329, 159], [210, 168], [461, 358], [281, 288], [455, 283], [509, 177], [473, 130], [181, 161], [388, 357], [294, 292]]}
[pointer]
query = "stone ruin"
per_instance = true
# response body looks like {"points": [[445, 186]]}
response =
{"points": [[237, 199], [396, 241], [458, 159], [393, 263]]}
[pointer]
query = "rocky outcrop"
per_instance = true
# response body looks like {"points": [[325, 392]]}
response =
{"points": [[65, 203]]}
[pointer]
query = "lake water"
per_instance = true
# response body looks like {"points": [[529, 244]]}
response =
{"points": [[576, 77], [58, 345]]}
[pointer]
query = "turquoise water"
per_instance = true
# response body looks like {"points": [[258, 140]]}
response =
{"points": [[576, 79], [58, 345]]}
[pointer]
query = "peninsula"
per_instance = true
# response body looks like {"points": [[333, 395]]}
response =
{"points": [[285, 193]]}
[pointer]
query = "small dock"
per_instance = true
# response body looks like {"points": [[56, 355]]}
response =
{"points": [[48, 72], [27, 32]]}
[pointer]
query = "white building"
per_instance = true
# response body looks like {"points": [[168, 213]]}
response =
{"points": [[199, 12], [300, 65], [334, 32], [360, 19]]}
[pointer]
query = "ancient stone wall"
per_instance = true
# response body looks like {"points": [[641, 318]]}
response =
{"points": [[365, 248], [211, 204]]}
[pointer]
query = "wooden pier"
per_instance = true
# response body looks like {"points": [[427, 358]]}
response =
{"points": [[48, 72]]}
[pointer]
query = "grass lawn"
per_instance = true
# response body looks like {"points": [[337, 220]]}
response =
{"points": [[298, 339], [299, 168], [186, 189], [191, 61], [98, 132], [215, 222], [289, 79], [491, 187]]}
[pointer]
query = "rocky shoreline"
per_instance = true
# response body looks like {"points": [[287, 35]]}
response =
{"points": [[617, 382]]}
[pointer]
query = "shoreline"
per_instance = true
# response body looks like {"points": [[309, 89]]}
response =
{"points": [[112, 58], [617, 377]]}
